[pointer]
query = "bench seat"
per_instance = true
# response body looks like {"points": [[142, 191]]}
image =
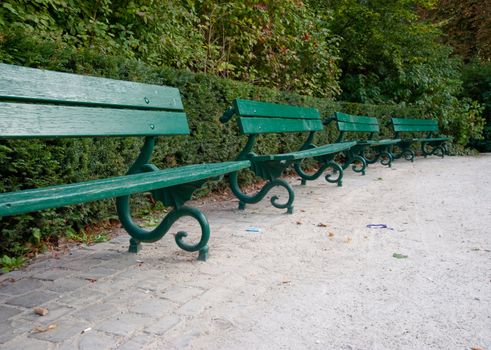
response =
{"points": [[374, 143], [259, 118], [424, 131], [308, 153], [353, 125], [46, 105], [19, 202]]}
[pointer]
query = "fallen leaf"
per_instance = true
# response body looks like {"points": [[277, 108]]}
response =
{"points": [[92, 280], [321, 225], [330, 234], [299, 223], [41, 329], [41, 311], [476, 348], [399, 256]]}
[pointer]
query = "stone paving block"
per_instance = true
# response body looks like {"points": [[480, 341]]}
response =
{"points": [[197, 305], [55, 311], [7, 332], [65, 329], [109, 253], [164, 324], [32, 299], [153, 307], [52, 274], [21, 287], [24, 343], [125, 324], [181, 294], [97, 312], [97, 273], [120, 262], [65, 285], [80, 297], [7, 312], [93, 340], [136, 342]]}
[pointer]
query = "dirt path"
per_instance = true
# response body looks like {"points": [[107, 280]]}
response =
{"points": [[317, 279]]}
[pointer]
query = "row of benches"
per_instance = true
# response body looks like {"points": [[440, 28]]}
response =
{"points": [[44, 104]]}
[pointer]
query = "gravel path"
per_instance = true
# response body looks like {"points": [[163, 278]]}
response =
{"points": [[316, 279]]}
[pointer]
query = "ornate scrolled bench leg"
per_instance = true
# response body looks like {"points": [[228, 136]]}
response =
{"points": [[243, 198], [388, 156], [408, 155], [139, 234], [363, 164], [308, 177], [337, 172]]}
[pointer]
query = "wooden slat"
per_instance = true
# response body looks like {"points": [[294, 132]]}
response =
{"points": [[348, 118], [47, 86], [20, 202], [414, 125], [272, 125], [314, 152], [380, 142], [409, 121], [354, 127], [414, 128], [20, 120], [248, 108]]}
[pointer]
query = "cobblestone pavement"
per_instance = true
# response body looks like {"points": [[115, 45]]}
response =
{"points": [[316, 279]]}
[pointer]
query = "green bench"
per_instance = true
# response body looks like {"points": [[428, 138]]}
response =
{"points": [[49, 105], [354, 124], [431, 143], [255, 118]]}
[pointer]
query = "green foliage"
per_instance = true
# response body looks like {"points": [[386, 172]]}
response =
{"points": [[389, 55], [8, 263], [272, 43]]}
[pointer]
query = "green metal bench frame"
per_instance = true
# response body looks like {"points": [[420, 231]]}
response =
{"points": [[256, 118], [358, 153], [431, 144], [49, 105]]}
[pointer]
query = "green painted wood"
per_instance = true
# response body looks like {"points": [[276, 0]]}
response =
{"points": [[414, 125], [258, 125], [380, 142], [409, 121], [348, 118], [42, 86], [248, 108], [14, 203], [354, 127], [430, 139], [415, 128], [309, 153], [21, 120]]}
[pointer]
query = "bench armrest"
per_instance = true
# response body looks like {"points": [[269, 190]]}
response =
{"points": [[227, 115]]}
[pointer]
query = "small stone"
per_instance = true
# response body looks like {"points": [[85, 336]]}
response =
{"points": [[41, 311]]}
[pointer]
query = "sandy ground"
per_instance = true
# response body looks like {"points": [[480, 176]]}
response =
{"points": [[299, 285], [321, 279]]}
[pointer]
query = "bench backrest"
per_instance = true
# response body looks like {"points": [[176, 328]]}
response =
{"points": [[355, 123], [414, 125], [37, 103], [264, 117]]}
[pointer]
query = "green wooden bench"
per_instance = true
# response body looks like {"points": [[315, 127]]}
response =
{"points": [[256, 118], [44, 104], [347, 123], [431, 143]]}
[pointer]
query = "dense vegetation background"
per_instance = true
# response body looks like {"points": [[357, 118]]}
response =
{"points": [[420, 58]]}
